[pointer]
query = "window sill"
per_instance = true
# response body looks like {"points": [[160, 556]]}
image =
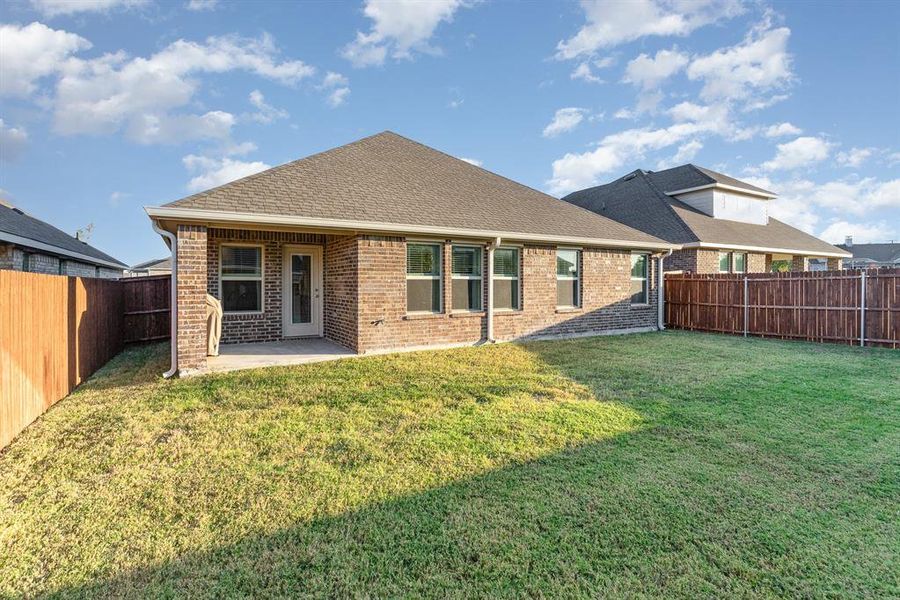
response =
{"points": [[421, 316], [242, 316], [568, 309], [640, 305], [462, 314], [507, 311]]}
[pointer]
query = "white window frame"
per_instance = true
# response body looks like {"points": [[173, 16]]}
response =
{"points": [[468, 277], [734, 256], [719, 259], [576, 278], [439, 276], [261, 278], [517, 278], [646, 279]]}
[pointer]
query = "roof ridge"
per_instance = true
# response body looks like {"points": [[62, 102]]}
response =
{"points": [[666, 201]]}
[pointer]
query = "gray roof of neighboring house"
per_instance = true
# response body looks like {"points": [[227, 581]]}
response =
{"points": [[690, 176], [15, 222], [637, 200], [387, 178], [883, 253], [157, 264]]}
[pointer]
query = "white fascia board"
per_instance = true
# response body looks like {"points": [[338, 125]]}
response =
{"points": [[722, 186], [191, 214], [30, 243], [792, 251]]}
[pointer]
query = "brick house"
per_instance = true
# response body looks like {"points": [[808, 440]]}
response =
{"points": [[29, 244], [722, 224], [385, 243]]}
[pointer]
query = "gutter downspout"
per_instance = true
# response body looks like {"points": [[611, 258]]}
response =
{"points": [[661, 292], [173, 301], [490, 290]]}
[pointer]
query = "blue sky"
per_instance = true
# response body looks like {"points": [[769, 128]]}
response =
{"points": [[111, 105]]}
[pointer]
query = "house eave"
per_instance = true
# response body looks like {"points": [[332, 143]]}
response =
{"points": [[30, 243], [722, 186], [767, 249], [176, 214]]}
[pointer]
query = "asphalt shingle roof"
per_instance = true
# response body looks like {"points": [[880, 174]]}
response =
{"points": [[691, 176], [637, 200], [156, 263], [16, 222], [883, 253], [387, 178]]}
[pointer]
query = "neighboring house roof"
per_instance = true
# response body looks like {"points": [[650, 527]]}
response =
{"points": [[637, 200], [391, 180], [157, 264], [882, 253], [690, 176], [22, 229]]}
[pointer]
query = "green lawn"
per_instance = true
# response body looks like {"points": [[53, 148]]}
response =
{"points": [[673, 464]]}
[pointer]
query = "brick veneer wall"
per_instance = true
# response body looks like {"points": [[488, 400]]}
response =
{"points": [[698, 260], [341, 290], [191, 297], [13, 258], [606, 280]]}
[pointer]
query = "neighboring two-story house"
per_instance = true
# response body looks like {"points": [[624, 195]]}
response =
{"points": [[721, 223], [29, 244]]}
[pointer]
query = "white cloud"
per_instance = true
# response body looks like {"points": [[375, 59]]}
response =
{"points": [[32, 52], [854, 157], [801, 152], [471, 161], [338, 88], [685, 154], [338, 97], [610, 23], [624, 113], [399, 28], [52, 8], [212, 172], [112, 92], [199, 5], [647, 72], [565, 119], [758, 64], [781, 129], [583, 72], [265, 113], [863, 233], [13, 141], [115, 199]]}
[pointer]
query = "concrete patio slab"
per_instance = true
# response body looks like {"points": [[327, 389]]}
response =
{"points": [[233, 357]]}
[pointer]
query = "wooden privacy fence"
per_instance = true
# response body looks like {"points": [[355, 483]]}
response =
{"points": [[56, 331], [848, 307], [146, 308]]}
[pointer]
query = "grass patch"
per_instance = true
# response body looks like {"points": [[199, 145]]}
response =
{"points": [[674, 464]]}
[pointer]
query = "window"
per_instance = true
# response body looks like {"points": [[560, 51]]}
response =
{"points": [[740, 262], [62, 267], [639, 279], [26, 261], [724, 262], [568, 266], [466, 278], [240, 278], [423, 278], [506, 279]]}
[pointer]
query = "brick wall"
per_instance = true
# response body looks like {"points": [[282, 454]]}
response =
{"points": [[192, 281], [606, 279], [13, 258], [705, 261], [341, 289]]}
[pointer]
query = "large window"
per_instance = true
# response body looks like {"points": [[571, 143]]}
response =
{"points": [[423, 278], [740, 262], [240, 278], [724, 262], [466, 278], [639, 290], [506, 279], [568, 266]]}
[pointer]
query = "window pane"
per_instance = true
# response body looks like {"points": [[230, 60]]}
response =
{"points": [[423, 295], [567, 263], [506, 293], [740, 262], [241, 296], [466, 261], [241, 260], [567, 292], [466, 294], [301, 288], [724, 262], [638, 265], [638, 291], [506, 262], [423, 259]]}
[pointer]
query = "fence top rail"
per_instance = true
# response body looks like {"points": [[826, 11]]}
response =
{"points": [[787, 276]]}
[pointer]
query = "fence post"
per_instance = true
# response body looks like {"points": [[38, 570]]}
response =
{"points": [[746, 307], [862, 308]]}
